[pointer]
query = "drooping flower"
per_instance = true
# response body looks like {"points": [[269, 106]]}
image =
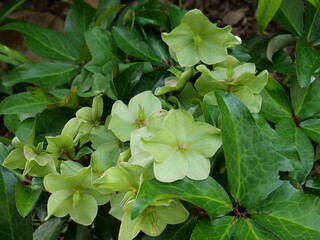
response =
{"points": [[34, 160], [197, 39], [182, 147], [234, 77], [175, 83], [153, 220]]}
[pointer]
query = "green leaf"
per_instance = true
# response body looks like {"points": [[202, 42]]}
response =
{"points": [[51, 122], [288, 129], [279, 42], [175, 15], [103, 49], [134, 44], [312, 128], [45, 42], [154, 17], [305, 100], [290, 15], [43, 74], [77, 23], [26, 102], [50, 230], [176, 232], [149, 81], [106, 12], [77, 232], [159, 47], [216, 229], [266, 10], [27, 196], [312, 23], [307, 62], [206, 194], [9, 8], [290, 214], [127, 79], [26, 131], [13, 226], [248, 229], [275, 102], [250, 156]]}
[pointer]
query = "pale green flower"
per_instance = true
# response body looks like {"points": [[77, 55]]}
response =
{"points": [[34, 160], [125, 119], [197, 39], [74, 195], [234, 77], [182, 147], [153, 220], [175, 83]]}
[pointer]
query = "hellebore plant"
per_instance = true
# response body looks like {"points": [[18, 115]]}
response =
{"points": [[189, 134], [197, 39]]}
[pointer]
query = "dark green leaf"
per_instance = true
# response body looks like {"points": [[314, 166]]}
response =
{"points": [[282, 63], [103, 49], [134, 44], [266, 10], [26, 131], [313, 181], [175, 15], [312, 23], [43, 74], [27, 196], [307, 61], [51, 122], [250, 157], [290, 15], [275, 102], [216, 229], [45, 42], [26, 102], [279, 42], [159, 46], [290, 214], [257, 48], [127, 80], [247, 229], [149, 81], [288, 129], [305, 101], [77, 232], [77, 23], [154, 17], [106, 226], [13, 226], [50, 230], [286, 151], [240, 53], [176, 232], [206, 194], [9, 8], [106, 12], [12, 122], [312, 128]]}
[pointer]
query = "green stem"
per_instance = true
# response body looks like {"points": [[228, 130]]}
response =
{"points": [[180, 3], [5, 140]]}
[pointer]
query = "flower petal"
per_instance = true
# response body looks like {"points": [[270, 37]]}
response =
{"points": [[172, 169], [60, 203], [198, 167], [85, 211]]}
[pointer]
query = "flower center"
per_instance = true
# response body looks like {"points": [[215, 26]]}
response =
{"points": [[197, 40], [181, 147]]}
